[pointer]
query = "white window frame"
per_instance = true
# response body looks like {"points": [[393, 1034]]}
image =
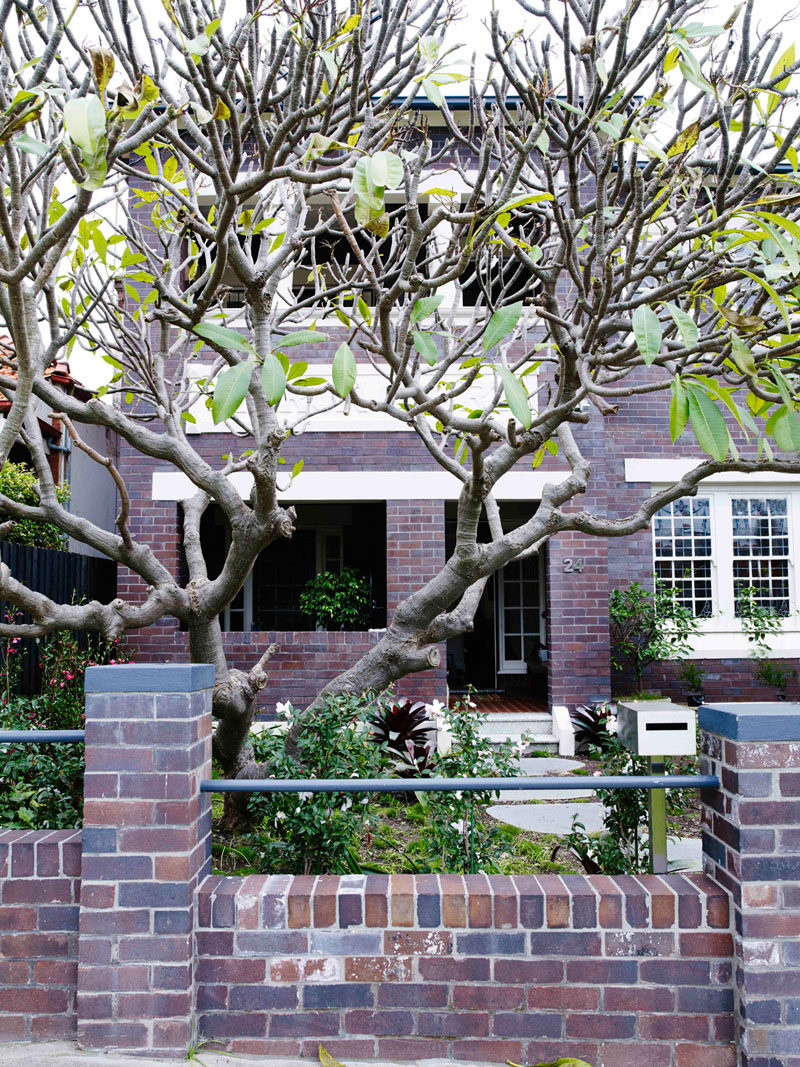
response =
{"points": [[515, 666], [722, 636], [247, 589]]}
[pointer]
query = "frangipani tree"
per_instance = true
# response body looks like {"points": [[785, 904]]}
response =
{"points": [[611, 211]]}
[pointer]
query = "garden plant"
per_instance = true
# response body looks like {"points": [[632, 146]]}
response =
{"points": [[616, 193]]}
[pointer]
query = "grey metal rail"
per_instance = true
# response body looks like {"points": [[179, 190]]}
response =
{"points": [[444, 785], [35, 737]]}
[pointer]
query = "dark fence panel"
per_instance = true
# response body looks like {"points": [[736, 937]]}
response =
{"points": [[66, 577]]}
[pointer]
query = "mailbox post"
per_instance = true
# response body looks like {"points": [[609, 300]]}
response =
{"points": [[656, 729]]}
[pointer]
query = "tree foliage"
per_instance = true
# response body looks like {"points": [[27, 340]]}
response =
{"points": [[611, 212]]}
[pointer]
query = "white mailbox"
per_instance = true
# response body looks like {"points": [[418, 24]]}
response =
{"points": [[657, 728]]}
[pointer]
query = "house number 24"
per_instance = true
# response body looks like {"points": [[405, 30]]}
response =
{"points": [[573, 566]]}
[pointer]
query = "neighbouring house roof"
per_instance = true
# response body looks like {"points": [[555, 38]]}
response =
{"points": [[59, 374]]}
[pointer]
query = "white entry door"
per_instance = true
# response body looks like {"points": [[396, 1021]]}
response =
{"points": [[520, 622]]}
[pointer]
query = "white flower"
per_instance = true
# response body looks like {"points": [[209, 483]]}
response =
{"points": [[459, 826], [459, 793], [348, 803], [436, 709], [284, 708], [304, 796], [279, 817], [612, 725]]}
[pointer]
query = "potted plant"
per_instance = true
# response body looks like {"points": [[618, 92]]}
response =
{"points": [[775, 675], [337, 600], [692, 675]]}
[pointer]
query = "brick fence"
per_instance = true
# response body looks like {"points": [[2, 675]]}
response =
{"points": [[673, 971]]}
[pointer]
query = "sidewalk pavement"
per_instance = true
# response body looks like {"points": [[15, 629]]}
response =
{"points": [[64, 1054]]}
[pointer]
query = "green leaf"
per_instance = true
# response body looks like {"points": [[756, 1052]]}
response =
{"points": [[223, 336], [344, 370], [678, 410], [31, 145], [708, 424], [425, 307], [516, 397], [742, 356], [198, 46], [301, 337], [369, 199], [230, 390], [429, 50], [786, 60], [273, 378], [426, 346], [500, 325], [85, 122], [787, 432], [686, 325], [298, 467], [433, 92], [691, 75], [297, 370], [647, 331]]}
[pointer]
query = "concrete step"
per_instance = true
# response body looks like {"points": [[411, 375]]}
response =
{"points": [[512, 726]]}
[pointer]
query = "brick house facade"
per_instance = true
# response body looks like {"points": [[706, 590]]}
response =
{"points": [[376, 491], [369, 487]]}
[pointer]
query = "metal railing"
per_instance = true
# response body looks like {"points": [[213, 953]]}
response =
{"points": [[445, 785], [36, 737], [656, 784]]}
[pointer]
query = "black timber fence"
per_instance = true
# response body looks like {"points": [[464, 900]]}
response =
{"points": [[66, 577]]}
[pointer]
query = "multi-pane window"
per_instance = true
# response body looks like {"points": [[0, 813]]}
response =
{"points": [[682, 546], [728, 548], [520, 634], [761, 551]]}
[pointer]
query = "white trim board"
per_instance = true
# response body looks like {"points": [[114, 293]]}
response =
{"points": [[362, 486], [666, 471]]}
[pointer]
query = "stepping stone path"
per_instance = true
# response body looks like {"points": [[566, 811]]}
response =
{"points": [[539, 767], [549, 818], [684, 853]]}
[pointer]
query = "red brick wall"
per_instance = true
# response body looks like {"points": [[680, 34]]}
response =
{"points": [[471, 968], [577, 602], [39, 896]]}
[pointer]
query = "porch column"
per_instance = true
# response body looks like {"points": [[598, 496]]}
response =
{"points": [[579, 663], [415, 552]]}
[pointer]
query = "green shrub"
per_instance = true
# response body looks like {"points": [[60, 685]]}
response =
{"points": [[20, 483], [41, 786], [312, 833], [317, 833], [646, 627], [337, 601]]}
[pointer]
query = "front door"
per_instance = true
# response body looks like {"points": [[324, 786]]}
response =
{"points": [[521, 634]]}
